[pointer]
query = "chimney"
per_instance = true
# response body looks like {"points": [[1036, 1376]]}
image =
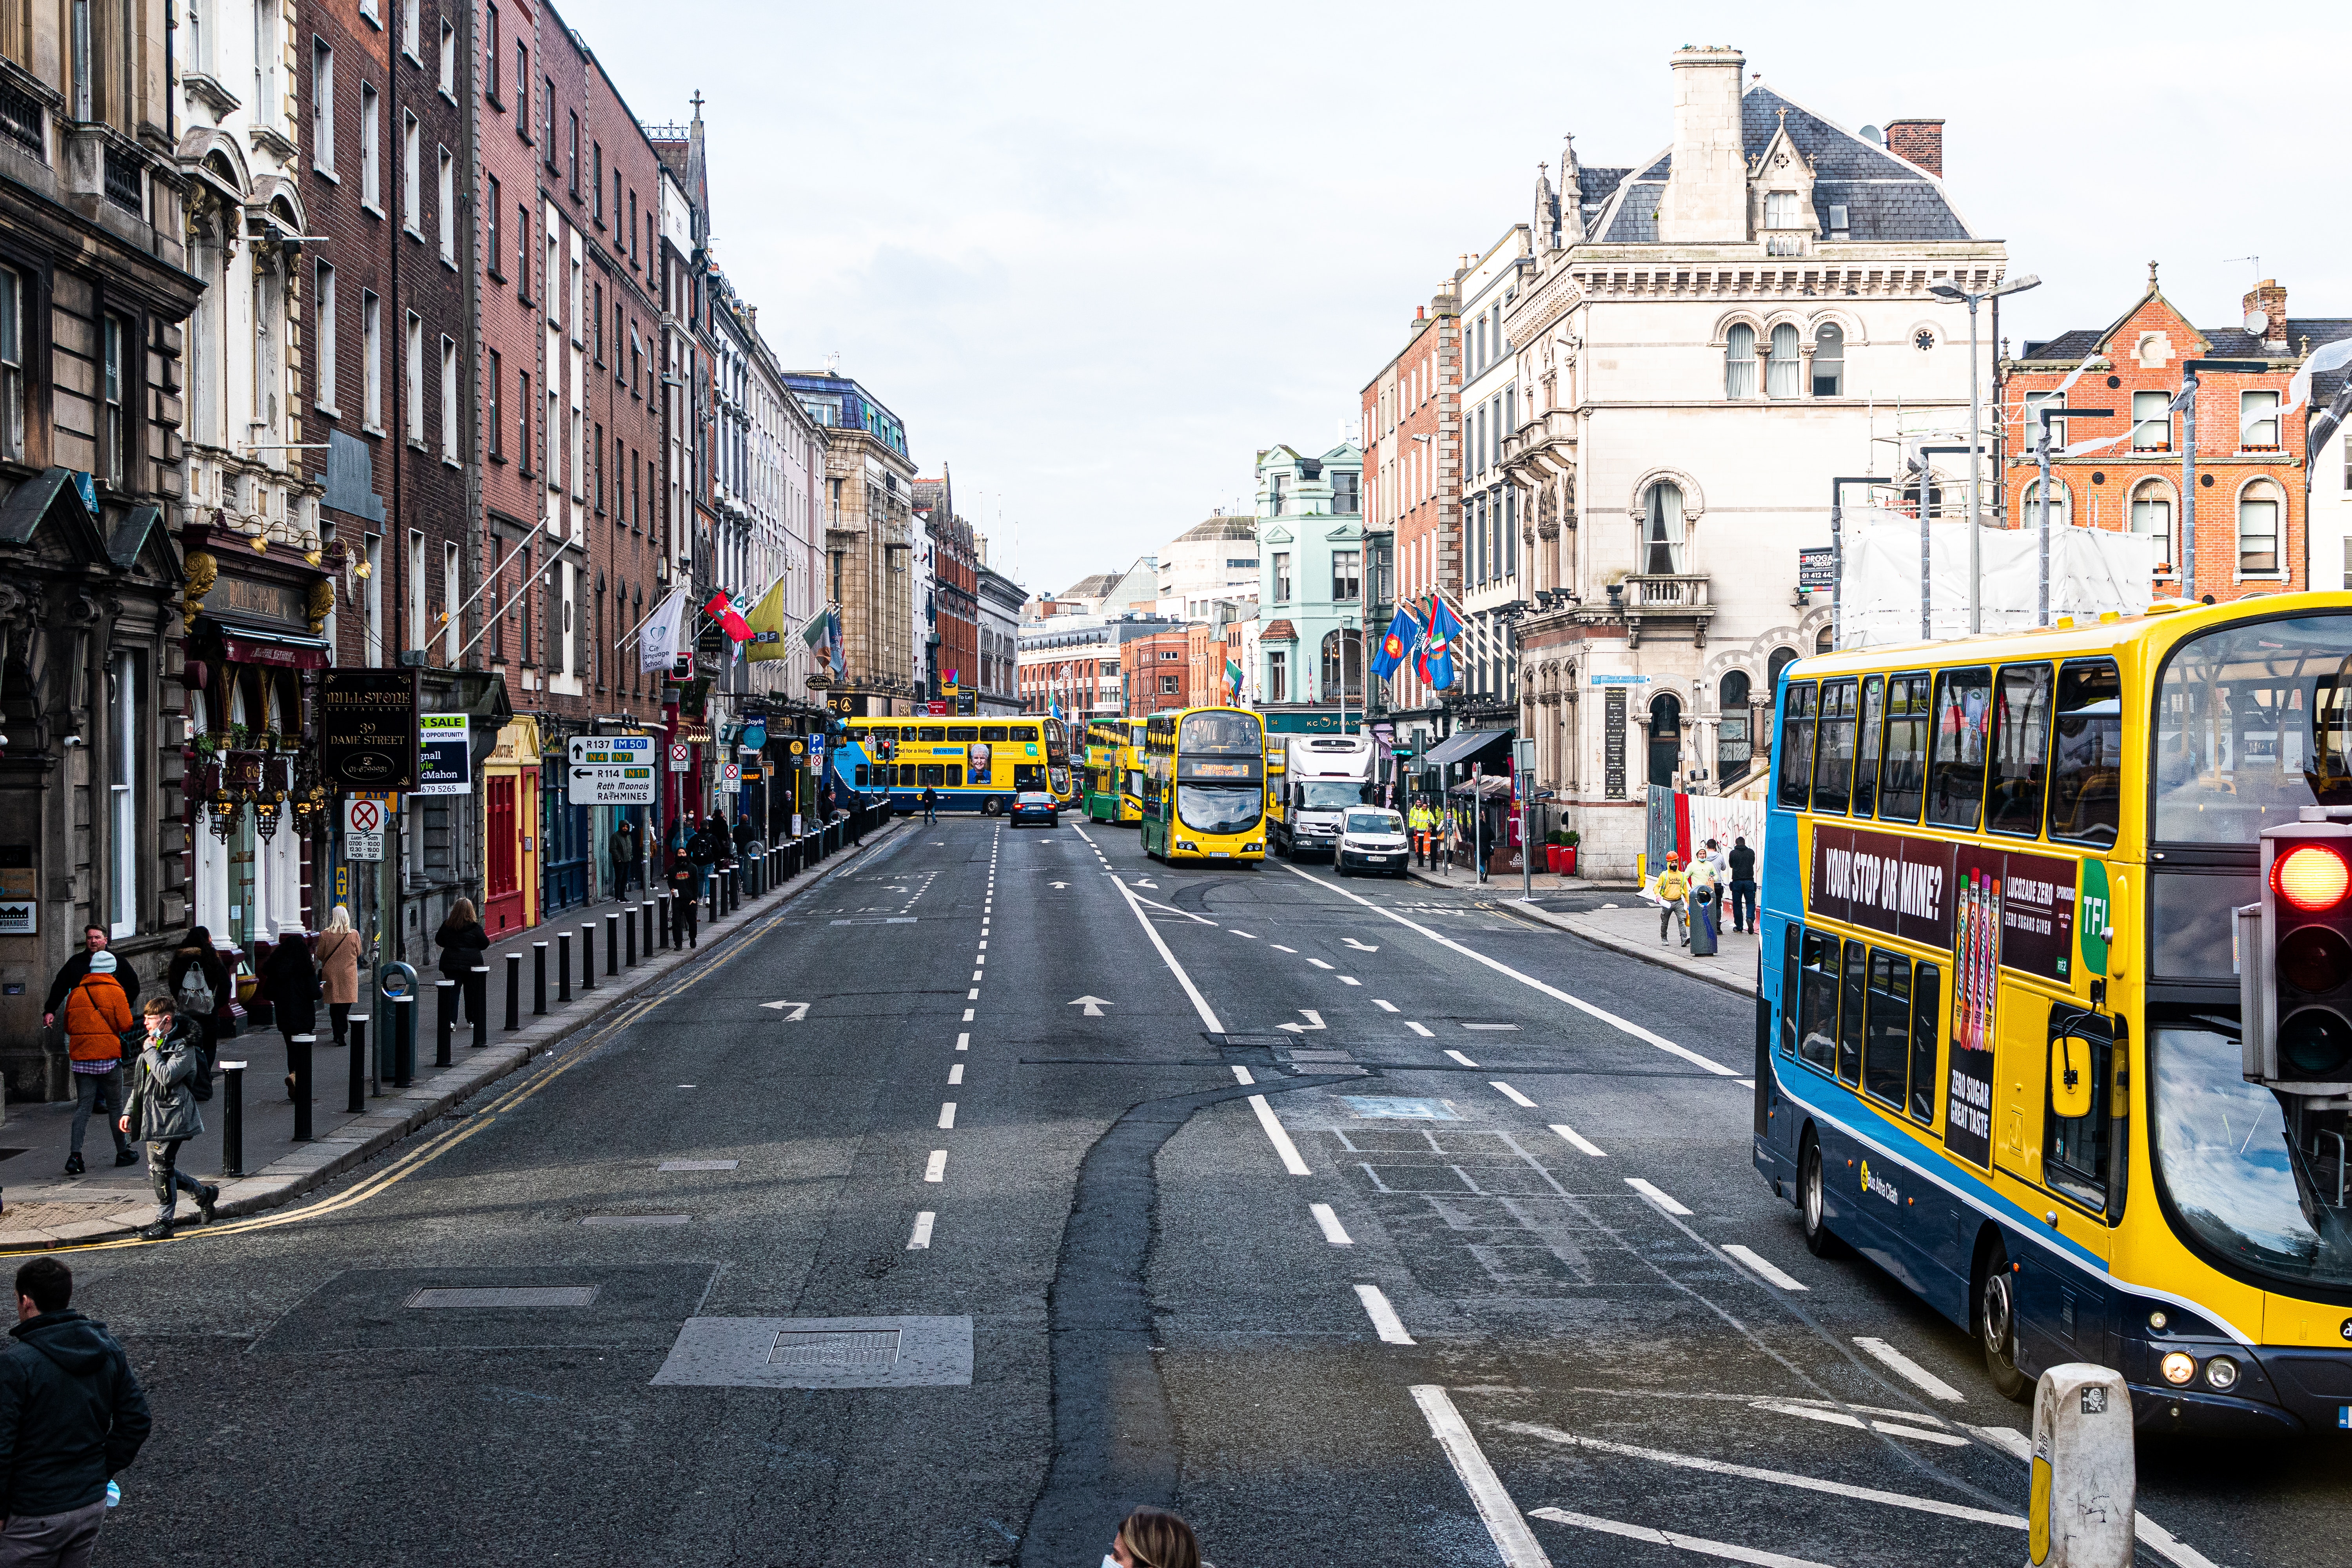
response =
{"points": [[1920, 141], [2271, 300], [1706, 188]]}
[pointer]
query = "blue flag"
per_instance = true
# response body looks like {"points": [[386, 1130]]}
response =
{"points": [[1397, 646], [1437, 654]]}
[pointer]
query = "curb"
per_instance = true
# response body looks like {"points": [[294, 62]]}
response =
{"points": [[1690, 968], [428, 1099]]}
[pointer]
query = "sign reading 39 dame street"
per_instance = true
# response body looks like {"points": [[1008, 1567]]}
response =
{"points": [[367, 728]]}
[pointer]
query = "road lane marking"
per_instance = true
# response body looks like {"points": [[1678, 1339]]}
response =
{"points": [[1384, 1317], [963, 1042], [1516, 1098], [1423, 1030], [1458, 1057], [1657, 1197], [1501, 1516], [1319, 964], [1242, 1074], [947, 1119], [922, 1240], [1252, 937], [1576, 1140], [1384, 1006], [1490, 1025], [937, 1170], [1696, 1543], [1277, 1136], [984, 947], [1333, 1231], [1910, 1370], [1361, 946], [1777, 1478], [1554, 992], [976, 976], [955, 1073], [1200, 1003], [966, 1014], [1279, 948], [1840, 1418], [1349, 980], [2152, 1534], [1770, 1271]]}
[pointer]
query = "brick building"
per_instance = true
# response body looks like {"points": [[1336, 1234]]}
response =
{"points": [[1183, 667], [1413, 463], [2248, 505], [953, 652]]}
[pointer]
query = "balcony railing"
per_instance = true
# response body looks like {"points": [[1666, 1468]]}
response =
{"points": [[1683, 591], [20, 117], [123, 182]]}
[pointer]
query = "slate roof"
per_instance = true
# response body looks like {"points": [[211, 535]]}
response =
{"points": [[2222, 343], [1887, 199]]}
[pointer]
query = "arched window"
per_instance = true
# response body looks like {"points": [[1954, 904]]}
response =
{"points": [[2258, 528], [1343, 658], [1783, 657], [1826, 642], [1740, 362], [2062, 508], [2151, 513], [1828, 361], [1780, 370], [1734, 749], [1662, 530], [1665, 740]]}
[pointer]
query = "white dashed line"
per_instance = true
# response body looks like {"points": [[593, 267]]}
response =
{"points": [[966, 1014], [963, 1042], [1576, 1140], [974, 994], [1242, 1075], [1423, 1030], [947, 1119], [1279, 948], [922, 1240], [1248, 934], [1279, 1136], [937, 1171], [1910, 1370], [1771, 1272], [955, 1073], [1333, 1231], [1316, 962], [1656, 1196], [1697, 1544], [1384, 1006], [1512, 1539], [1384, 1317], [1349, 980], [1513, 1095], [1458, 1057]]}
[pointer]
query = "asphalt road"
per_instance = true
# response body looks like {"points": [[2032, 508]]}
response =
{"points": [[1361, 1223]]}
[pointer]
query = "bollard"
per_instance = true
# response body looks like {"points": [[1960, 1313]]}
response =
{"points": [[668, 939], [587, 958], [514, 992], [538, 978], [477, 1003], [612, 944], [403, 1041], [646, 911], [444, 1018], [2083, 1490], [710, 896], [629, 935], [298, 1068], [356, 1038], [734, 889], [232, 1119], [563, 966]]}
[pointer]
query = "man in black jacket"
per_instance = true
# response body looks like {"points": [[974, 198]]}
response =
{"points": [[71, 1415], [69, 975], [1743, 886]]}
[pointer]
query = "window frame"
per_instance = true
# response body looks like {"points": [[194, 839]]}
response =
{"points": [[2000, 722], [2058, 712], [1937, 767], [1835, 710], [1793, 745], [2251, 494]]}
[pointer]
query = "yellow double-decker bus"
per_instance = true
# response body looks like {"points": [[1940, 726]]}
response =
{"points": [[1205, 784], [1114, 771], [2001, 1047], [974, 765]]}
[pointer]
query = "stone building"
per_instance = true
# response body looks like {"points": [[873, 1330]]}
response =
{"points": [[999, 638], [1413, 455], [1776, 269], [1213, 563], [868, 505], [951, 602]]}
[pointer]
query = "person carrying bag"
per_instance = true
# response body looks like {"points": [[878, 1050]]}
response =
{"points": [[163, 1113]]}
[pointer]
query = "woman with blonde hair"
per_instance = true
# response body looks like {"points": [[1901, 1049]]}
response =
{"points": [[462, 941], [339, 970]]}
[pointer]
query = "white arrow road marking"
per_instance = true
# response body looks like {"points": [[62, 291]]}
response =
{"points": [[1147, 882], [1698, 1544], [1314, 1021], [1057, 884], [1361, 946], [1094, 1006], [799, 1010]]}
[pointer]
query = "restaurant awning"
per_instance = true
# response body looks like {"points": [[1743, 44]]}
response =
{"points": [[246, 642], [1463, 747]]}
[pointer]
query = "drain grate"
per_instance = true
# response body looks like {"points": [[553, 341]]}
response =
{"points": [[840, 1350], [506, 1295]]}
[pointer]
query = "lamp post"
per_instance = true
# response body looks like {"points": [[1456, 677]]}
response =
{"points": [[1976, 433]]}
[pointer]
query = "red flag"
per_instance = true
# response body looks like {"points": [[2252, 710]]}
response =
{"points": [[731, 620]]}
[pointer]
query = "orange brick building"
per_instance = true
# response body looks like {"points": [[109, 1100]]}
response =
{"points": [[2248, 505], [1183, 667]]}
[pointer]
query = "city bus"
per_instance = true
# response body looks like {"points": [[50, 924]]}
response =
{"points": [[1205, 784], [1998, 1042], [975, 765], [1060, 777], [1114, 771]]}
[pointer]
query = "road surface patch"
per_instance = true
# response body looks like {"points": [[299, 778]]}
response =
{"points": [[819, 1353]]}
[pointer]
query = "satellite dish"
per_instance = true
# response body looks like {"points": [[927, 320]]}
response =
{"points": [[1874, 135], [2257, 324]]}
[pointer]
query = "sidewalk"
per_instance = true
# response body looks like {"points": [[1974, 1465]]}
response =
{"points": [[1508, 883], [45, 1208], [1632, 929]]}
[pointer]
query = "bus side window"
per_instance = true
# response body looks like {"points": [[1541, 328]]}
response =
{"points": [[1834, 762], [1817, 1002], [863, 778], [1906, 749], [1927, 998], [1850, 1006], [991, 731], [1792, 986], [1796, 746], [955, 775], [929, 774], [2020, 750], [1885, 1043], [933, 733], [1865, 764], [1956, 772], [2086, 769]]}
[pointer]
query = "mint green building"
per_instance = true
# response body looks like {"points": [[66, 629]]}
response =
{"points": [[1309, 650]]}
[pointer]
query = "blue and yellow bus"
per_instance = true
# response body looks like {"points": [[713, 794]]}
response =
{"points": [[976, 765], [1999, 1030], [1205, 784]]}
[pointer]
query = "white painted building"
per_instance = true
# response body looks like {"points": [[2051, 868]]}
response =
{"points": [[1484, 664], [1214, 560]]}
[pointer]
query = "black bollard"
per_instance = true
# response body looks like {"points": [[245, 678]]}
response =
{"points": [[612, 944], [587, 958], [629, 935], [710, 896], [538, 978], [297, 1067], [232, 1119], [645, 910], [445, 1019], [563, 966], [356, 1038], [514, 992], [403, 1041], [477, 1003]]}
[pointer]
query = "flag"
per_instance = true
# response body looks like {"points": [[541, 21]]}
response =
{"points": [[813, 633], [1436, 659], [658, 647], [1402, 635], [833, 640], [722, 609], [767, 623], [1233, 681]]}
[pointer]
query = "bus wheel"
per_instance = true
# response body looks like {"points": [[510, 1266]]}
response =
{"points": [[1811, 1204], [1997, 1326], [991, 806]]}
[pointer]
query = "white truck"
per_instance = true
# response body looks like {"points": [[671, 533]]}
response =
{"points": [[1322, 776]]}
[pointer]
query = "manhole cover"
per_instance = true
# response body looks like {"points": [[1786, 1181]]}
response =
{"points": [[506, 1295], [876, 1348], [1395, 1107]]}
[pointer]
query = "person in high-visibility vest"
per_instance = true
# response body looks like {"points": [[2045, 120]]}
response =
{"points": [[1673, 887], [1424, 822]]}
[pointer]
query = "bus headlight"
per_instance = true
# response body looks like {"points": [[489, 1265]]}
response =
{"points": [[2178, 1367], [1187, 844], [2222, 1373]]}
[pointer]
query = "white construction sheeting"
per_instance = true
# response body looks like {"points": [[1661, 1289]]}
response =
{"points": [[2092, 571]]}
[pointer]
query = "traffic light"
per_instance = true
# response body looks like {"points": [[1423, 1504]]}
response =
{"points": [[2294, 962]]}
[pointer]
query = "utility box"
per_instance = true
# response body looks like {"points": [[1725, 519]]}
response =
{"points": [[2085, 1486]]}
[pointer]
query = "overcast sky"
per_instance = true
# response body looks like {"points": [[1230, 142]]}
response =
{"points": [[1096, 256]]}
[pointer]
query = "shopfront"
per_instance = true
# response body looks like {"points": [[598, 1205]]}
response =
{"points": [[510, 829]]}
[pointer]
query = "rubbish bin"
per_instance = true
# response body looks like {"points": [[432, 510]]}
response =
{"points": [[395, 1037], [1701, 923]]}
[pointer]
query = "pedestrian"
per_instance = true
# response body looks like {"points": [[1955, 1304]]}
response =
{"points": [[339, 970], [462, 941], [70, 972], [745, 833], [290, 984], [930, 804], [162, 1114], [1742, 863], [623, 847], [1153, 1538], [96, 1017], [1423, 820], [703, 851], [1452, 831], [1716, 858], [72, 1417], [1673, 887]]}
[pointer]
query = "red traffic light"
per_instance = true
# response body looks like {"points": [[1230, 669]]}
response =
{"points": [[2311, 876]]}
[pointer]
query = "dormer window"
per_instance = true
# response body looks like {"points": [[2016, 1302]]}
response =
{"points": [[1781, 209], [1784, 223]]}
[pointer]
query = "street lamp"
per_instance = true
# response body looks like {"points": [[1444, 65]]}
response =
{"points": [[1975, 412]]}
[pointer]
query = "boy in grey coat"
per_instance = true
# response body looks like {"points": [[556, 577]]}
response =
{"points": [[163, 1111]]}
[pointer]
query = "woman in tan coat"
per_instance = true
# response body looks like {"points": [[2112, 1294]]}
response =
{"points": [[338, 952]]}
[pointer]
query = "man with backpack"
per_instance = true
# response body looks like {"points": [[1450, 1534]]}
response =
{"points": [[164, 1114], [72, 1414]]}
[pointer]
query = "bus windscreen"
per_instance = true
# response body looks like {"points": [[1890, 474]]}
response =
{"points": [[2251, 725]]}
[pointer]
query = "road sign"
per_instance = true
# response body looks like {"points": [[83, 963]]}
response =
{"points": [[363, 824], [730, 776], [679, 755], [594, 751], [444, 763], [606, 785]]}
